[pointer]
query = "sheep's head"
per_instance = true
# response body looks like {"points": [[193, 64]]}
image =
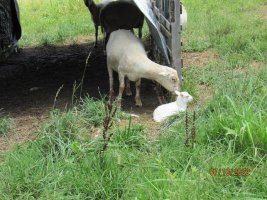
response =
{"points": [[184, 97], [169, 79], [88, 2]]}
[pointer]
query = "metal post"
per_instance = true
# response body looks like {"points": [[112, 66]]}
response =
{"points": [[176, 39]]}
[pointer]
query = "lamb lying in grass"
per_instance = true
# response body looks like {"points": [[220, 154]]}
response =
{"points": [[164, 111], [127, 56]]}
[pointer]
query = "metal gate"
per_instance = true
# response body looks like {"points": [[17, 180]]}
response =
{"points": [[168, 13]]}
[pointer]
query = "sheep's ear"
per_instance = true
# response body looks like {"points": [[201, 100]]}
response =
{"points": [[177, 93], [86, 2]]}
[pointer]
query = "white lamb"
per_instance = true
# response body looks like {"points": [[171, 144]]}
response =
{"points": [[164, 111], [127, 56]]}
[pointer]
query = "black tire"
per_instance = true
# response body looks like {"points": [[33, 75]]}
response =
{"points": [[10, 29]]}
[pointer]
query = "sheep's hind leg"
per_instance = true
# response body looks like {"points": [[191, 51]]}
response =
{"points": [[107, 35], [128, 88], [96, 35], [111, 91], [106, 39], [121, 89], [160, 94], [138, 101]]}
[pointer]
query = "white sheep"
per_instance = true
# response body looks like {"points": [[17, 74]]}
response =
{"points": [[183, 17], [127, 56], [164, 111]]}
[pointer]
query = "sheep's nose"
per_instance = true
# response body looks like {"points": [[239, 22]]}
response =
{"points": [[177, 88]]}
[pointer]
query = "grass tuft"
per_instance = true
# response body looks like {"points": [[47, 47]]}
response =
{"points": [[5, 125]]}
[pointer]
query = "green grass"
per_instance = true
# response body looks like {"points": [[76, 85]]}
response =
{"points": [[237, 113], [5, 125], [64, 163], [235, 29], [49, 22], [231, 128]]}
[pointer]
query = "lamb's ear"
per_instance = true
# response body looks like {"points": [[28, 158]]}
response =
{"points": [[177, 92]]}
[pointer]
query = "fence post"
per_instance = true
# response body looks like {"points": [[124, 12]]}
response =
{"points": [[168, 13], [176, 48]]}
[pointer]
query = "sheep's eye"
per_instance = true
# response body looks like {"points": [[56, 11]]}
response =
{"points": [[174, 79]]}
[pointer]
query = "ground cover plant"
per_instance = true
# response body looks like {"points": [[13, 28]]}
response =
{"points": [[228, 159], [5, 124]]}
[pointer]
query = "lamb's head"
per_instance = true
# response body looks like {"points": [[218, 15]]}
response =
{"points": [[168, 78], [184, 97]]}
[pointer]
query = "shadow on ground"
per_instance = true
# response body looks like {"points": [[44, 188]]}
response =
{"points": [[30, 80]]}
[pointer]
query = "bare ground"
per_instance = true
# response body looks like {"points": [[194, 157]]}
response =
{"points": [[199, 59], [262, 12], [30, 80]]}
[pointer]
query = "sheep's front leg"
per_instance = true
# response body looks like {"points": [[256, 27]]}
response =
{"points": [[121, 89], [128, 88], [96, 35], [110, 74], [138, 101], [160, 94], [107, 38], [140, 34]]}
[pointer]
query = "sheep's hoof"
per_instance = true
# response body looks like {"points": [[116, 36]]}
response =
{"points": [[96, 42], [138, 103], [111, 93], [119, 104], [161, 100], [129, 93]]}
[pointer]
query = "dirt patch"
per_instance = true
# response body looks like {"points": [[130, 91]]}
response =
{"points": [[256, 65], [30, 80], [198, 58], [22, 131], [253, 66], [262, 12], [79, 40], [205, 94], [152, 128]]}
